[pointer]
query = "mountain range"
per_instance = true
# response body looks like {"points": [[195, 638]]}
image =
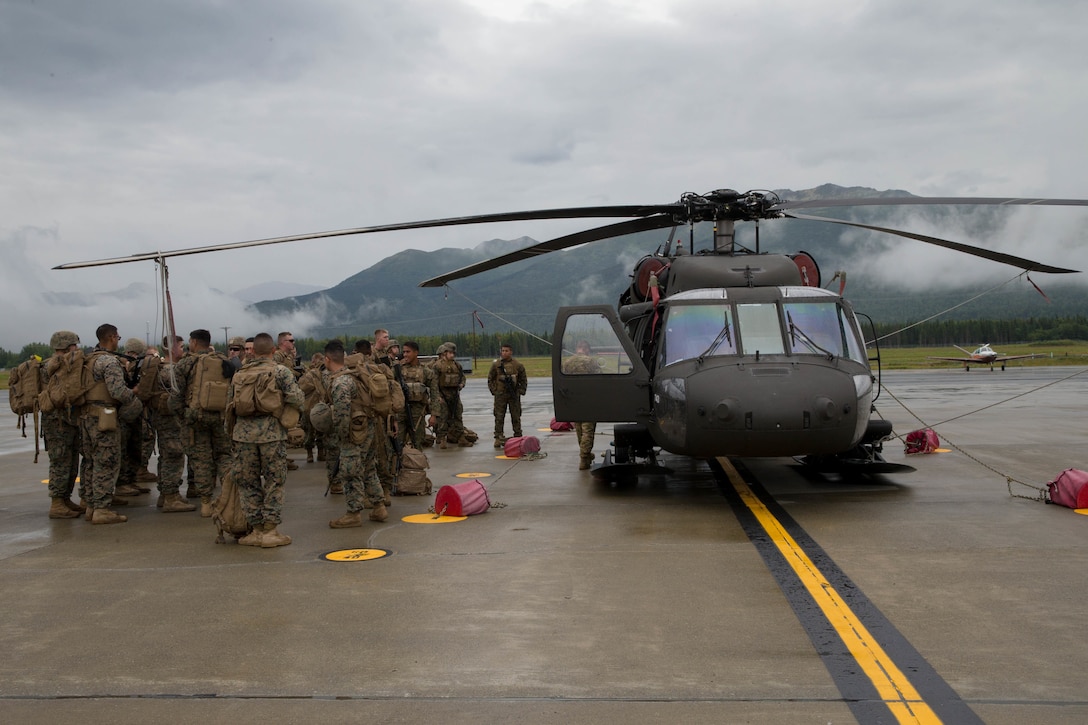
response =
{"points": [[526, 295]]}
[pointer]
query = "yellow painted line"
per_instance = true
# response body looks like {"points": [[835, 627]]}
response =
{"points": [[894, 688]]}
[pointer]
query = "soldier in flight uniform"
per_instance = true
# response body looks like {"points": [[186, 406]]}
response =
{"points": [[354, 433], [583, 363], [60, 428], [109, 399], [447, 422], [260, 450], [507, 382]]}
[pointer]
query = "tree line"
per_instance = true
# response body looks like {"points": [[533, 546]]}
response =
{"points": [[936, 333]]}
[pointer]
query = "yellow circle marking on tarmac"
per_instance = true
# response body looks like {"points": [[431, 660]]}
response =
{"points": [[431, 519], [508, 458], [473, 475], [1083, 512], [350, 555], [546, 430], [942, 450]]}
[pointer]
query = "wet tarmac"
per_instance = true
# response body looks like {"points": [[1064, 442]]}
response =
{"points": [[578, 600]]}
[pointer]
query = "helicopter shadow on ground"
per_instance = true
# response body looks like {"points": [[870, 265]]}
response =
{"points": [[675, 477], [796, 479]]}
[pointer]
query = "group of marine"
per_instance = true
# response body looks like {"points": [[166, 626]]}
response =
{"points": [[104, 412]]}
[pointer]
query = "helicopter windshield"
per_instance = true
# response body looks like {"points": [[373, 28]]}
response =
{"points": [[693, 331], [821, 328]]}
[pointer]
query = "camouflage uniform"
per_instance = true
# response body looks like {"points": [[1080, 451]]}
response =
{"points": [[167, 426], [332, 450], [385, 458], [260, 452], [507, 382], [104, 449], [357, 469], [450, 378], [60, 428], [421, 399], [586, 431], [204, 437]]}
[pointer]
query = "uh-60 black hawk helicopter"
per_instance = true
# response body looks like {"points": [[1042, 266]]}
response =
{"points": [[726, 352]]}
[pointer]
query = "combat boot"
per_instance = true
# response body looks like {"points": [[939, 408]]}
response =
{"points": [[465, 442], [205, 507], [126, 489], [309, 455], [105, 516], [387, 497], [146, 476], [320, 453], [348, 521], [271, 537], [500, 442], [585, 462], [57, 510], [253, 538], [77, 507], [174, 503], [291, 465], [336, 488], [442, 445], [379, 513]]}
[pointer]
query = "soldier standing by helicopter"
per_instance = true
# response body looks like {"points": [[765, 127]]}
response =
{"points": [[507, 382], [582, 362], [447, 422], [60, 428]]}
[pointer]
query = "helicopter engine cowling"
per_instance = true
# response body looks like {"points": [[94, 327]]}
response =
{"points": [[646, 268], [765, 408]]}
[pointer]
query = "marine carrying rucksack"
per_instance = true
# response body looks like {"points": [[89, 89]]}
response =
{"points": [[376, 389], [256, 392], [69, 378], [209, 383]]}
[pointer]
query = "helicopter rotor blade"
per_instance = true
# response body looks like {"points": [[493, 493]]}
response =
{"points": [[926, 201], [571, 240], [1025, 264], [587, 212]]}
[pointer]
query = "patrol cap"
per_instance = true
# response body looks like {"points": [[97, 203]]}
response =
{"points": [[63, 339], [134, 346], [237, 341]]}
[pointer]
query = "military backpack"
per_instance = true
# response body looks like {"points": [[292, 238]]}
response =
{"points": [[256, 392], [24, 387], [209, 382], [70, 377]]}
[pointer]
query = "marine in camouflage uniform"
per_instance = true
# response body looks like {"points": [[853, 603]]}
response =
{"points": [[385, 457], [583, 363], [420, 399], [451, 379], [260, 452], [60, 428], [356, 442], [507, 381], [167, 427], [203, 435], [103, 448]]}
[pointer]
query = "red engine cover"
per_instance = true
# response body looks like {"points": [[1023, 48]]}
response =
{"points": [[810, 272]]}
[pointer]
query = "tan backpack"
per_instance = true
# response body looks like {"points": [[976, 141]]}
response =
{"points": [[256, 392], [209, 383], [24, 387], [70, 378]]}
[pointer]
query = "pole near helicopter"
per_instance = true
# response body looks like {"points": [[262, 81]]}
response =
{"points": [[728, 351]]}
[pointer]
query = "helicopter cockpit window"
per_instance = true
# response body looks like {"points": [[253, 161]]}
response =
{"points": [[820, 328], [692, 331], [590, 347], [760, 329]]}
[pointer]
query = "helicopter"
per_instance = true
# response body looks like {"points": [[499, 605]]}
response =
{"points": [[729, 351]]}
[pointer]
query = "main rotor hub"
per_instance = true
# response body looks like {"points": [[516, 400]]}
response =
{"points": [[727, 205]]}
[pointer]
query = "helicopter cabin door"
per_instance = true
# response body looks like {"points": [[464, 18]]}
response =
{"points": [[597, 374]]}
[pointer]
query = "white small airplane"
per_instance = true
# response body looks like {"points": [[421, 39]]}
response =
{"points": [[984, 355]]}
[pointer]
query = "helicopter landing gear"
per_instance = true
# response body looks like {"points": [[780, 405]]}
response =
{"points": [[621, 463], [864, 458]]}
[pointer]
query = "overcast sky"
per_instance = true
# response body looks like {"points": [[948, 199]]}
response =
{"points": [[130, 126]]}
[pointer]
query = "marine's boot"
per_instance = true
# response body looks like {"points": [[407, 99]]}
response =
{"points": [[105, 516], [205, 507], [120, 501], [88, 514], [379, 513], [336, 488], [57, 510], [348, 521], [309, 455], [146, 476], [173, 503], [127, 489], [253, 538], [585, 462], [291, 465], [387, 496], [271, 537], [442, 445], [77, 507], [320, 453], [500, 442], [465, 442], [191, 492]]}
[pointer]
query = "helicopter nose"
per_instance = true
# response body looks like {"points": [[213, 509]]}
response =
{"points": [[727, 409], [824, 407]]}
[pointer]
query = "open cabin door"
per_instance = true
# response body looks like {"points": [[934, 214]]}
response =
{"points": [[597, 374]]}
